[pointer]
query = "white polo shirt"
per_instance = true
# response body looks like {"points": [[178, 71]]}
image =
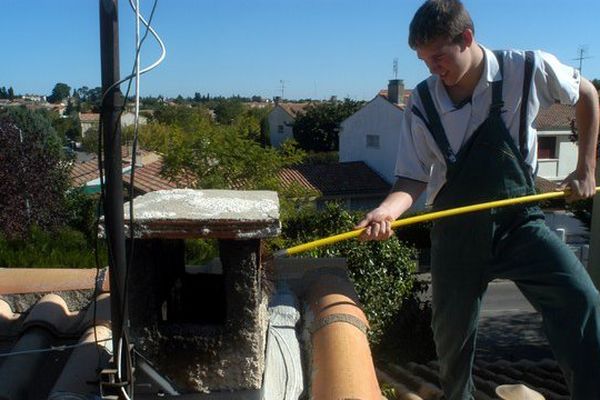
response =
{"points": [[419, 157]]}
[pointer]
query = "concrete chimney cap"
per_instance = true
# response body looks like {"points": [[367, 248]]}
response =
{"points": [[188, 213], [193, 204]]}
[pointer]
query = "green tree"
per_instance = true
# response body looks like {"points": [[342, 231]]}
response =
{"points": [[205, 154], [11, 93], [33, 171], [60, 92], [317, 129], [227, 111], [219, 157], [68, 128], [3, 93], [596, 83]]}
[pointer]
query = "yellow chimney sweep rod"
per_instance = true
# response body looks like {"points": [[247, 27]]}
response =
{"points": [[423, 218]]}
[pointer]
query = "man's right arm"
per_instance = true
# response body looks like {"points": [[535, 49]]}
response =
{"points": [[402, 196]]}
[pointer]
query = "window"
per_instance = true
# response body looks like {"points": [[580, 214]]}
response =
{"points": [[546, 147], [279, 128], [373, 141]]}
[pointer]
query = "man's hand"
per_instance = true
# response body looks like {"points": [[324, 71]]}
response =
{"points": [[579, 185], [378, 225], [582, 182]]}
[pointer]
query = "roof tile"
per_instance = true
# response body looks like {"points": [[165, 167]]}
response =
{"points": [[336, 179]]}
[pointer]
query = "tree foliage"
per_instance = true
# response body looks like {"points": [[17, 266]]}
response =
{"points": [[227, 111], [8, 94], [199, 152], [33, 172], [60, 92], [317, 129]]}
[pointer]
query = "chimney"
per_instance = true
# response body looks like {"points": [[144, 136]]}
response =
{"points": [[202, 327], [396, 91]]}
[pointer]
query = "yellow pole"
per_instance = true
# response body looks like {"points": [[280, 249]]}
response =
{"points": [[423, 218]]}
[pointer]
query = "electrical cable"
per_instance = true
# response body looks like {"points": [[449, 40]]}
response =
{"points": [[135, 73], [53, 348], [153, 65]]}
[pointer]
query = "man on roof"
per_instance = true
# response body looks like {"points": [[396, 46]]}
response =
{"points": [[467, 137]]}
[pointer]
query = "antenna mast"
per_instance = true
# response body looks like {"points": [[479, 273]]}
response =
{"points": [[395, 68], [282, 83], [582, 50]]}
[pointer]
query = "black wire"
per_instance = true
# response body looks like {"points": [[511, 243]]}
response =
{"points": [[101, 202], [124, 333]]}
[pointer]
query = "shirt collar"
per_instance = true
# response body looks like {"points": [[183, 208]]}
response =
{"points": [[491, 73]]}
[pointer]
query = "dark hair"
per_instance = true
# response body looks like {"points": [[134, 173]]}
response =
{"points": [[439, 19]]}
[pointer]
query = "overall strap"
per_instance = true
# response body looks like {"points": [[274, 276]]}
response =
{"points": [[497, 102], [433, 122], [529, 59]]}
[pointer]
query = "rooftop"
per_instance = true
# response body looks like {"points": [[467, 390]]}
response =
{"points": [[335, 179]]}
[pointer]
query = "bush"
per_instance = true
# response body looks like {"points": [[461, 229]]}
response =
{"points": [[64, 248], [82, 213], [382, 272]]}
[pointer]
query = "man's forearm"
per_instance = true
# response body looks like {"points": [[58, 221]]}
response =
{"points": [[402, 196], [586, 113]]}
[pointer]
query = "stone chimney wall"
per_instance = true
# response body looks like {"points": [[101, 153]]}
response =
{"points": [[206, 332]]}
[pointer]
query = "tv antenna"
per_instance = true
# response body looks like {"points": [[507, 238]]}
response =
{"points": [[282, 87], [395, 68], [581, 51]]}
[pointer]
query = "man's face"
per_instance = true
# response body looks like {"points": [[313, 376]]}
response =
{"points": [[446, 59]]}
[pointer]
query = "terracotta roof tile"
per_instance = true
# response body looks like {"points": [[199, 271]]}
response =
{"points": [[83, 172], [335, 179], [148, 178], [293, 108], [544, 185], [555, 117], [47, 325], [89, 117], [422, 380]]}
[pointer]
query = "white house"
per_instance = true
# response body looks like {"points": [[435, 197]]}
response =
{"points": [[371, 134], [281, 121], [557, 153]]}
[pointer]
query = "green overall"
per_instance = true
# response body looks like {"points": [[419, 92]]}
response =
{"points": [[508, 243]]}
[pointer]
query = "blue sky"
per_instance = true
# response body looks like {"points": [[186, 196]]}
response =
{"points": [[319, 48]]}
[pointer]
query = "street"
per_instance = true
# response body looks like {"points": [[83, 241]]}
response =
{"points": [[509, 327]]}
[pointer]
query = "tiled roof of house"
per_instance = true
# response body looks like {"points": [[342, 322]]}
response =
{"points": [[544, 185], [293, 108], [148, 178], [555, 117], [89, 117], [384, 93], [335, 179], [83, 172], [60, 313], [422, 380], [48, 331]]}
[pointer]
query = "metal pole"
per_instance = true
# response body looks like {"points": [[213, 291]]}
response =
{"points": [[113, 203]]}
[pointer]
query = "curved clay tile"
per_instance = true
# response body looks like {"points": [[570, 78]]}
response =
{"points": [[51, 312], [342, 366]]}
